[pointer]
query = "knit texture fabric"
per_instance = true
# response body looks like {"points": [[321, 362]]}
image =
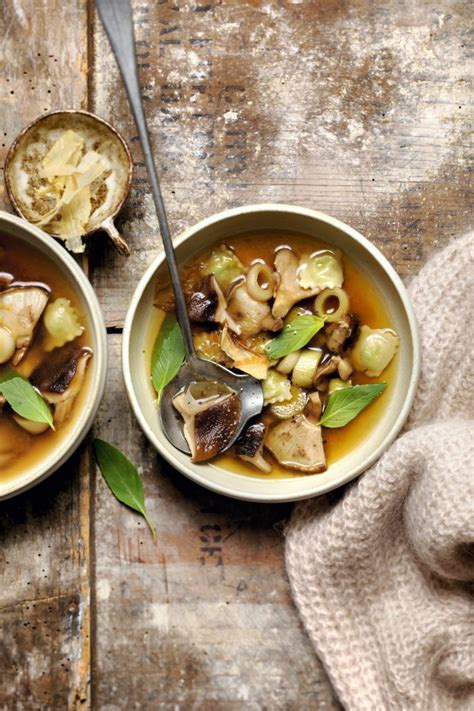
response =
{"points": [[381, 576]]}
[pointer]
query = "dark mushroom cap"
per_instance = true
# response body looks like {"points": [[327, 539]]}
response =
{"points": [[341, 335], [55, 374], [215, 427], [203, 303], [250, 440]]}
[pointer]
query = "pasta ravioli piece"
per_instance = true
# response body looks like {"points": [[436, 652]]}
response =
{"points": [[374, 350], [62, 323], [320, 271]]}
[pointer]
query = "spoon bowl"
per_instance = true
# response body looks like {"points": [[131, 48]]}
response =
{"points": [[248, 389]]}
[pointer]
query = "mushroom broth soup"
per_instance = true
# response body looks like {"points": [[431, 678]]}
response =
{"points": [[44, 339], [299, 316]]}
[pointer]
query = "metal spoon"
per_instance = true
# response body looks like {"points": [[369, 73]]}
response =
{"points": [[116, 17]]}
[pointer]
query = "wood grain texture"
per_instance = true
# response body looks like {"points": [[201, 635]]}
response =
{"points": [[354, 108], [201, 619], [44, 534], [359, 109]]}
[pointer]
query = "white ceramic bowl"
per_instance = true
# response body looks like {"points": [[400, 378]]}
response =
{"points": [[362, 253], [23, 231]]}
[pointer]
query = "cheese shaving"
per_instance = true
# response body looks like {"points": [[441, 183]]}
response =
{"points": [[70, 173], [89, 169], [63, 155], [74, 217]]}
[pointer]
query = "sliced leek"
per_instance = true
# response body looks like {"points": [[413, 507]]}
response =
{"points": [[287, 363], [305, 368]]}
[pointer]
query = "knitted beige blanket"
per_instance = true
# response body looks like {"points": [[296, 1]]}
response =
{"points": [[381, 576]]}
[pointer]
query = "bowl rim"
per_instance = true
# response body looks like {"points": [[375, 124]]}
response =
{"points": [[317, 490], [14, 146], [71, 442]]}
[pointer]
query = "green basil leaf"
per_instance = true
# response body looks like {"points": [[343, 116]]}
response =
{"points": [[122, 478], [9, 373], [168, 353], [25, 400], [346, 403], [294, 336]]}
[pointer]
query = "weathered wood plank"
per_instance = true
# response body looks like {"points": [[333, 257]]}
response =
{"points": [[44, 534], [355, 108], [358, 109], [202, 618]]}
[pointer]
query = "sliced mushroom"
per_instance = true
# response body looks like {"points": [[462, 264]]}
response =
{"points": [[61, 377], [289, 290], [21, 306], [329, 364], [247, 316], [7, 345], [345, 369], [341, 335], [298, 444], [313, 407], [245, 359], [208, 303], [211, 417], [249, 447]]}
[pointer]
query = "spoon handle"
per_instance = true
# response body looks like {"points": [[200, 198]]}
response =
{"points": [[116, 17]]}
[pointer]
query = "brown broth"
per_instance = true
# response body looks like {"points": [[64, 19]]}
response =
{"points": [[30, 265], [365, 301]]}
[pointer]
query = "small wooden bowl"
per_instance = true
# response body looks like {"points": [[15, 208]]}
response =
{"points": [[20, 166]]}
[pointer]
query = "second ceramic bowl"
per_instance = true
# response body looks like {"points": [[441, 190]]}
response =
{"points": [[365, 255], [36, 242]]}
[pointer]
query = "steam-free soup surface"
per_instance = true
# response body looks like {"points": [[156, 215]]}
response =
{"points": [[27, 264], [365, 301]]}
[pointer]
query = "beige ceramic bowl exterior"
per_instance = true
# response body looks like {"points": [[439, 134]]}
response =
{"points": [[360, 251], [22, 230]]}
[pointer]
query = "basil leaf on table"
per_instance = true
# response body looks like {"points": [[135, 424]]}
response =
{"points": [[24, 399], [346, 403], [294, 336], [122, 478], [168, 353]]}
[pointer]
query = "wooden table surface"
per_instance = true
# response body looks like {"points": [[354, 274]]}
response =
{"points": [[358, 108]]}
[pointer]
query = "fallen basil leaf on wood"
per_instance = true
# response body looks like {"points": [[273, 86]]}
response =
{"points": [[168, 353], [122, 478], [346, 403], [24, 399], [294, 336]]}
